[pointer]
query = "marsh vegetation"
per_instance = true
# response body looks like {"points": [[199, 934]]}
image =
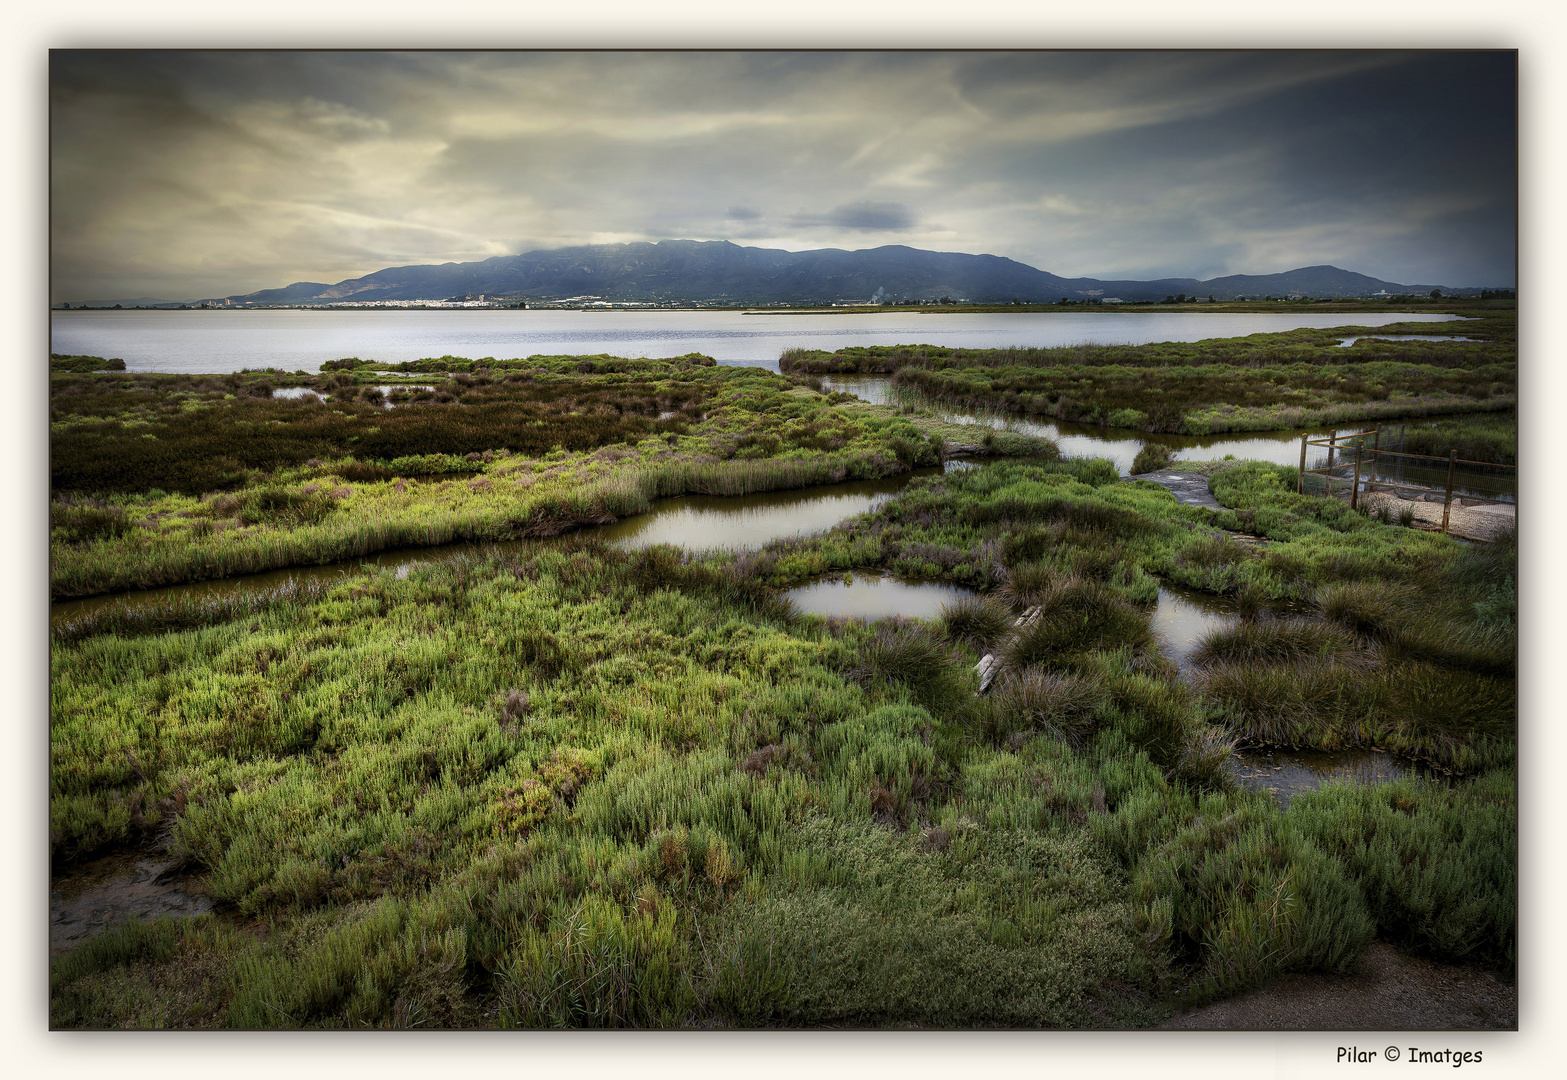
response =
{"points": [[567, 783], [1257, 383]]}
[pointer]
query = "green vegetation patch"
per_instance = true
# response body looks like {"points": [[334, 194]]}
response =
{"points": [[1256, 383], [160, 480], [575, 786]]}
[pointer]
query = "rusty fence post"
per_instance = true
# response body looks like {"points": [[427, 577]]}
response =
{"points": [[1354, 488], [1447, 501], [1327, 475], [1300, 477], [1376, 459]]}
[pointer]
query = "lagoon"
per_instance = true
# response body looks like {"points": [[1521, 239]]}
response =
{"points": [[208, 342]]}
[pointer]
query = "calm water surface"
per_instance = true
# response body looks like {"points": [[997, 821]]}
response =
{"points": [[749, 521], [875, 596], [1120, 445], [695, 522], [1181, 617], [222, 341], [1287, 773]]}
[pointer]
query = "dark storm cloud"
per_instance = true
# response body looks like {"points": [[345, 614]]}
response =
{"points": [[862, 216], [202, 173]]}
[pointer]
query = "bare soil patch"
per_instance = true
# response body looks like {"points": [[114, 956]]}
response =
{"points": [[1388, 992]]}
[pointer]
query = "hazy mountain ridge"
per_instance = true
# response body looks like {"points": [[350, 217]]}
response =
{"points": [[675, 271]]}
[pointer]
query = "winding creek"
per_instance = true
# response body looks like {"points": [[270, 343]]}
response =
{"points": [[101, 892], [1181, 616], [1120, 445]]}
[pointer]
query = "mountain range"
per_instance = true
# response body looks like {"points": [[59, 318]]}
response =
{"points": [[695, 271]]}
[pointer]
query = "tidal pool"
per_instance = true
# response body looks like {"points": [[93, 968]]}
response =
{"points": [[875, 596], [1183, 616], [695, 522], [93, 896], [736, 522], [1287, 773]]}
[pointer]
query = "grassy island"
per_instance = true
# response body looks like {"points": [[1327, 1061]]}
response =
{"points": [[1262, 382]]}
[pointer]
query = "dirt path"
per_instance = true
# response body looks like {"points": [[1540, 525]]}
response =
{"points": [[1188, 488], [1389, 992]]}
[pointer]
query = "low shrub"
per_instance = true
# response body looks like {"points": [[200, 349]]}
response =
{"points": [[977, 621], [1151, 458], [1437, 864], [1061, 706], [1077, 617], [1246, 896], [280, 506]]}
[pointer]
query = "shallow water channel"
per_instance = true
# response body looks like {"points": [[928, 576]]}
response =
{"points": [[698, 522], [1181, 616], [92, 896], [1120, 445]]}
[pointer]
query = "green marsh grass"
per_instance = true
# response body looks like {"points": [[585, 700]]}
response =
{"points": [[977, 621], [1261, 382], [1151, 458], [314, 484], [714, 811], [1437, 864]]}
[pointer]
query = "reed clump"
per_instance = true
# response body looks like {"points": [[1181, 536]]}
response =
{"points": [[976, 621], [1151, 458]]}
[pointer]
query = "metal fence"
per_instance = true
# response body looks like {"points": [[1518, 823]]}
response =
{"points": [[1358, 473]]}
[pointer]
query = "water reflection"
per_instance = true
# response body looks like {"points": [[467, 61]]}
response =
{"points": [[875, 597], [1345, 343], [699, 522], [1120, 445], [304, 393], [209, 342], [1287, 773], [1183, 616]]}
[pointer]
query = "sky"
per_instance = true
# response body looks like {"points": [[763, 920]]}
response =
{"points": [[181, 175]]}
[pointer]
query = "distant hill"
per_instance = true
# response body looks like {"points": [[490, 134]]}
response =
{"points": [[686, 271]]}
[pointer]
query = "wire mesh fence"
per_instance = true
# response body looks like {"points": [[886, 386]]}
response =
{"points": [[1356, 463]]}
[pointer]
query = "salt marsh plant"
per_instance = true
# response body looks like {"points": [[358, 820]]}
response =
{"points": [[571, 785], [1080, 616], [1064, 707], [977, 621], [1253, 641], [279, 483], [1256, 383], [1151, 458]]}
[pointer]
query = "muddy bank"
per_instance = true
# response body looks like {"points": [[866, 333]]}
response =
{"points": [[1389, 991], [92, 896]]}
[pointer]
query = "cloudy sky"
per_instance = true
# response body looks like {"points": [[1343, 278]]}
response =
{"points": [[194, 174]]}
